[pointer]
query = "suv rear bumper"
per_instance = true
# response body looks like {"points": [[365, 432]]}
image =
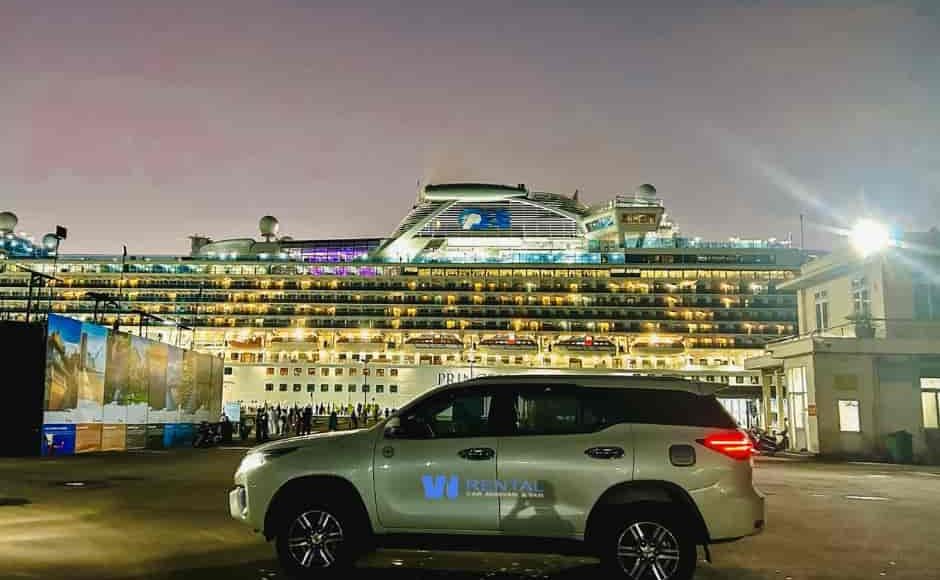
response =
{"points": [[730, 517]]}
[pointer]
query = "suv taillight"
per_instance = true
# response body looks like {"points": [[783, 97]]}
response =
{"points": [[734, 444]]}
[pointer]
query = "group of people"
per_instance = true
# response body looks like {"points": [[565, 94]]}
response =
{"points": [[277, 421]]}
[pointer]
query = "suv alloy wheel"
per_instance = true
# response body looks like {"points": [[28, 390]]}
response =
{"points": [[314, 543], [649, 544]]}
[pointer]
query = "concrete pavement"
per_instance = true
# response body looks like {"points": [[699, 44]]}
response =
{"points": [[163, 515]]}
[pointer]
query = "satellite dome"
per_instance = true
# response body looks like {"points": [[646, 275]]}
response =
{"points": [[8, 221], [646, 190], [268, 226], [49, 241]]}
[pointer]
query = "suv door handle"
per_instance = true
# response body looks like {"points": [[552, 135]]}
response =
{"points": [[477, 453], [604, 452]]}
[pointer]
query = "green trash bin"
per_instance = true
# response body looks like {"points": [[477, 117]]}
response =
{"points": [[900, 446]]}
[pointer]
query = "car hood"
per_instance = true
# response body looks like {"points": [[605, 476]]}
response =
{"points": [[305, 440]]}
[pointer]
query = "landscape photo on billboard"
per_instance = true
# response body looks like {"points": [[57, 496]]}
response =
{"points": [[115, 378], [157, 354], [203, 387], [63, 359], [187, 387], [174, 382], [138, 381], [93, 348]]}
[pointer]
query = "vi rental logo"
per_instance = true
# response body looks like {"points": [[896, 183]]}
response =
{"points": [[438, 487]]}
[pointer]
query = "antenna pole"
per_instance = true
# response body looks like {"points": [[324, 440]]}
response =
{"points": [[802, 234]]}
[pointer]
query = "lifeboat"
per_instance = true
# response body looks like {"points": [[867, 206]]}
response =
{"points": [[293, 342], [581, 345], [661, 345], [433, 343], [508, 343], [361, 344]]}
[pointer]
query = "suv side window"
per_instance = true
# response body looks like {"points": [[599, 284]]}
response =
{"points": [[454, 413], [562, 410]]}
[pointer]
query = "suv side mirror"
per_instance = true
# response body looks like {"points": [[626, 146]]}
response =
{"points": [[393, 429], [405, 428]]}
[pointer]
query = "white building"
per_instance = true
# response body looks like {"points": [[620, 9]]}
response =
{"points": [[867, 361]]}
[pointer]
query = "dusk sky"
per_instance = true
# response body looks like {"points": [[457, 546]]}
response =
{"points": [[144, 122]]}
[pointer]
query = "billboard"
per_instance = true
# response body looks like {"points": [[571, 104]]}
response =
{"points": [[113, 391]]}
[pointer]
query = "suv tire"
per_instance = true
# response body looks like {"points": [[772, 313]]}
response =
{"points": [[648, 542], [318, 541]]}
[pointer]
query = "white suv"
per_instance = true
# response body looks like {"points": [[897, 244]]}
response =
{"points": [[637, 470]]}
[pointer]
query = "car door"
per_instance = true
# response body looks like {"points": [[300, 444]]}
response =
{"points": [[565, 447], [431, 462]]}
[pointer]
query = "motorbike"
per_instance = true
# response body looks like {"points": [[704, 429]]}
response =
{"points": [[207, 435], [768, 443]]}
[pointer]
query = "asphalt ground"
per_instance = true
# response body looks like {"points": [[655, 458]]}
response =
{"points": [[163, 515]]}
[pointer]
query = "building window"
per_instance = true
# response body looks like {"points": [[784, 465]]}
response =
{"points": [[930, 399], [227, 370], [269, 371], [298, 371], [379, 388], [338, 372], [822, 310], [393, 388], [861, 297], [365, 388], [352, 388], [311, 388], [283, 372], [325, 372], [380, 372], [848, 416], [393, 372], [297, 387], [282, 387], [352, 372], [324, 388], [337, 388], [311, 371], [269, 386]]}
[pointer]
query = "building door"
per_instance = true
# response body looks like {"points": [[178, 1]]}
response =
{"points": [[797, 408]]}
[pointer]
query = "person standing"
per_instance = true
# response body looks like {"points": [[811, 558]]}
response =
{"points": [[306, 421], [332, 421]]}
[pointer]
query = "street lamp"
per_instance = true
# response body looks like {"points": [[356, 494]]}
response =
{"points": [[869, 237]]}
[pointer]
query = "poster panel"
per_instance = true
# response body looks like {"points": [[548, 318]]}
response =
{"points": [[87, 437], [63, 358], [93, 349], [155, 432], [233, 410], [203, 388], [187, 392], [138, 381], [58, 440], [157, 355], [113, 437], [215, 390], [135, 436], [115, 378], [174, 385]]}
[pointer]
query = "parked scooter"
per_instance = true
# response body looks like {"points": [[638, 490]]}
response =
{"points": [[768, 443], [208, 435]]}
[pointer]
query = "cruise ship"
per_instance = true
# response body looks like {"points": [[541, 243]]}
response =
{"points": [[476, 279]]}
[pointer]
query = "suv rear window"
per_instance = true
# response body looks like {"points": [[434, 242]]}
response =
{"points": [[664, 407]]}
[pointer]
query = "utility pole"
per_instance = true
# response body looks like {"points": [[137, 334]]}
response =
{"points": [[802, 234]]}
